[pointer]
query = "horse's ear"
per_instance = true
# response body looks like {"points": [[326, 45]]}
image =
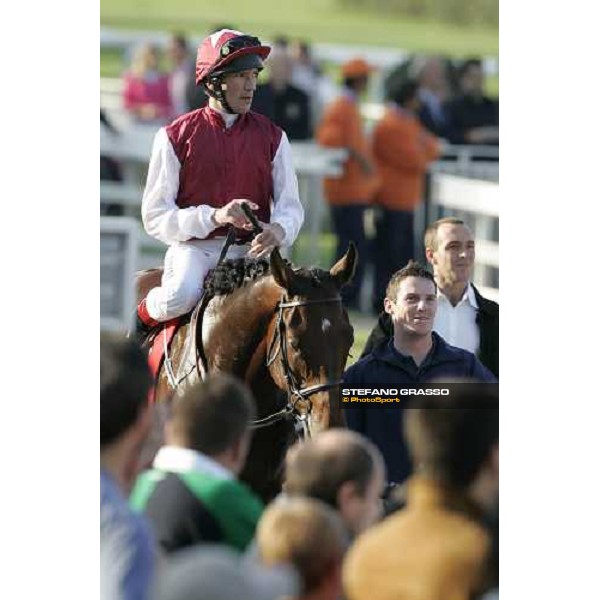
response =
{"points": [[343, 270], [281, 271]]}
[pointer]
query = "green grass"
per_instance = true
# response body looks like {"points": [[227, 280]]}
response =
{"points": [[314, 20], [111, 63], [302, 251], [361, 333], [492, 86]]}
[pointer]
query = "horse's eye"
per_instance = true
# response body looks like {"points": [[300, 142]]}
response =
{"points": [[295, 344]]}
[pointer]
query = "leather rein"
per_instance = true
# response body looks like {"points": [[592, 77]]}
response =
{"points": [[296, 394]]}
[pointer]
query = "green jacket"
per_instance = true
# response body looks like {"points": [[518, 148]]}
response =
{"points": [[192, 507]]}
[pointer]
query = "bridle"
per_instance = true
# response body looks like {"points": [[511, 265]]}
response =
{"points": [[297, 395]]}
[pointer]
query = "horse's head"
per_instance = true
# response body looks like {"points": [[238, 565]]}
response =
{"points": [[311, 336]]}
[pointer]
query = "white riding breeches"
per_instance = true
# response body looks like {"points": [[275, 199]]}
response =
{"points": [[186, 266]]}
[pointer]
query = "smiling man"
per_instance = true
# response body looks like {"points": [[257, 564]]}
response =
{"points": [[204, 166], [414, 354], [464, 318]]}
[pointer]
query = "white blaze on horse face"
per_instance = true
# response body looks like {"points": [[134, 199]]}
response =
{"points": [[325, 325], [318, 418]]}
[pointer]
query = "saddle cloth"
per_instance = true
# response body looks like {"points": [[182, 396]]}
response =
{"points": [[160, 338], [159, 342], [162, 335]]}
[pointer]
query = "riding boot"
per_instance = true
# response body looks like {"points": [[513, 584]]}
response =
{"points": [[144, 323]]}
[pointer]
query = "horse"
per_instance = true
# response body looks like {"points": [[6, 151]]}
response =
{"points": [[285, 332]]}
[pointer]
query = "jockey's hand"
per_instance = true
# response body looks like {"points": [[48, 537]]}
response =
{"points": [[232, 213], [272, 235]]}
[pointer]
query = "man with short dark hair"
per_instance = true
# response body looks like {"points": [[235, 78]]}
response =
{"points": [[192, 495], [464, 318], [342, 469], [281, 101], [126, 545], [472, 116], [441, 544], [415, 354]]}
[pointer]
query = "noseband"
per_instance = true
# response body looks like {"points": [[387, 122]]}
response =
{"points": [[296, 393]]}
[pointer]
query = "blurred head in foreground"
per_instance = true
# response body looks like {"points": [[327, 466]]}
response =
{"points": [[342, 469], [308, 535]]}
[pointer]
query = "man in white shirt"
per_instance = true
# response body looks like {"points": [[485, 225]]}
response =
{"points": [[464, 318], [450, 249]]}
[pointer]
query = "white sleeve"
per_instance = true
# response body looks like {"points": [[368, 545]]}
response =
{"points": [[287, 208], [162, 218]]}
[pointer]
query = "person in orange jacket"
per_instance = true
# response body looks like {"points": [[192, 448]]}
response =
{"points": [[403, 149], [350, 194]]}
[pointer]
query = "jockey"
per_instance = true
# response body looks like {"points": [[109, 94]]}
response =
{"points": [[204, 165]]}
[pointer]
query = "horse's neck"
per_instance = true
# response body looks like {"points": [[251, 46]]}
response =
{"points": [[257, 306], [237, 339]]}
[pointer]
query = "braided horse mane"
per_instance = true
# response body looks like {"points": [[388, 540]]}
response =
{"points": [[233, 274]]}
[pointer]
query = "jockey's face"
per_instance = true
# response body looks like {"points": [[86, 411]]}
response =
{"points": [[414, 307], [454, 257], [239, 90]]}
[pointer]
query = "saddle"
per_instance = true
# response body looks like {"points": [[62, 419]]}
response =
{"points": [[158, 341]]}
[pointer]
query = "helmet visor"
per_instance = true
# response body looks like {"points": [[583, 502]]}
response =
{"points": [[237, 43], [243, 63]]}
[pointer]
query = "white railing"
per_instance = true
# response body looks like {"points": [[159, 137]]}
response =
{"points": [[133, 147], [486, 171], [118, 261], [456, 158]]}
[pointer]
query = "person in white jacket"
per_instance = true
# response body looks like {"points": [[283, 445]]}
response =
{"points": [[204, 166]]}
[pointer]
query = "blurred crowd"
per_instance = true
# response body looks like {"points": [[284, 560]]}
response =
{"points": [[160, 85], [293, 95], [185, 527]]}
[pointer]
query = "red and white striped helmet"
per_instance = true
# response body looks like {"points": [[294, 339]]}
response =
{"points": [[219, 50]]}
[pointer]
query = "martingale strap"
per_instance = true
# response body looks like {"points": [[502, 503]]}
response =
{"points": [[296, 394]]}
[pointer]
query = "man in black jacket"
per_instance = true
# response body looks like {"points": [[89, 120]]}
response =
{"points": [[472, 116], [464, 318], [285, 104]]}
